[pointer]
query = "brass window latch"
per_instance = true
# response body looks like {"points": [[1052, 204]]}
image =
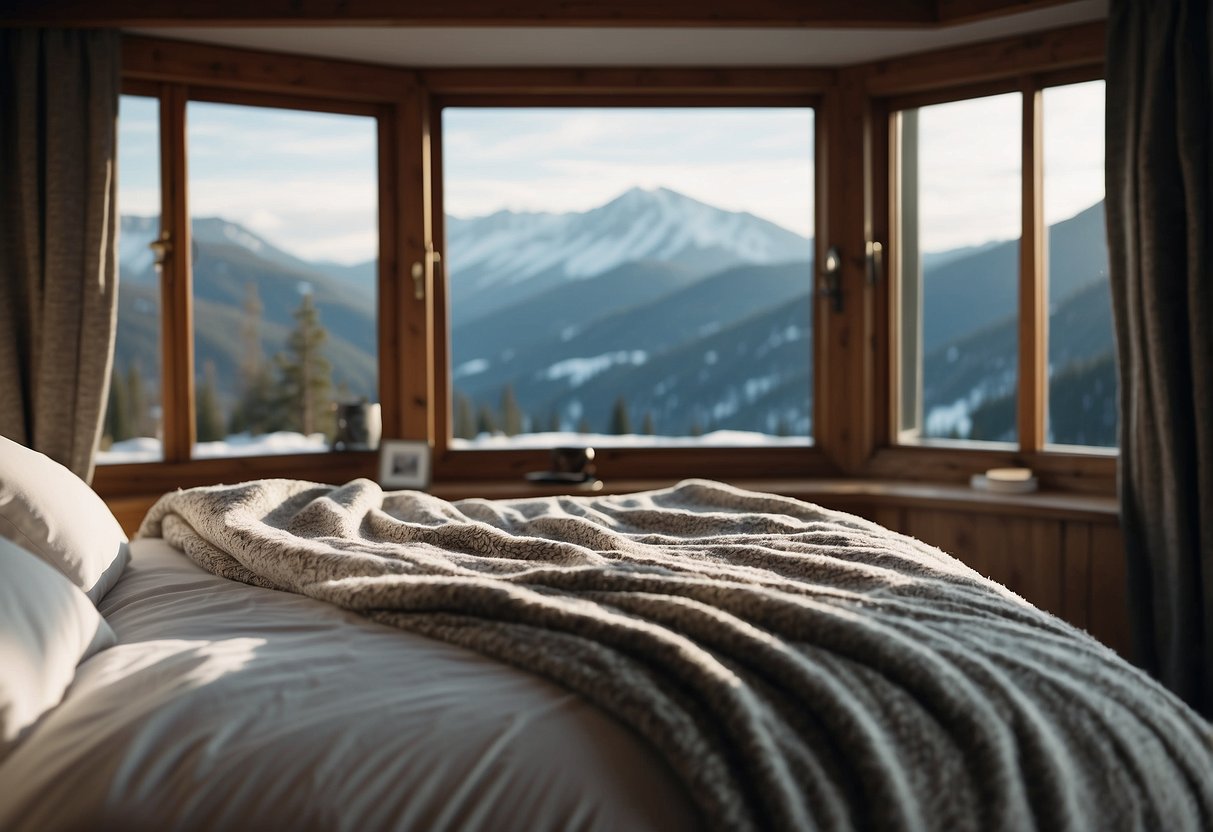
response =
{"points": [[418, 271], [830, 286], [161, 247]]}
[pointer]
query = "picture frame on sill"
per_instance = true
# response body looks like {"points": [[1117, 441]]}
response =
{"points": [[404, 464]]}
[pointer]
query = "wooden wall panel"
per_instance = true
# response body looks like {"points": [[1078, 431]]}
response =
{"points": [[1025, 556], [1071, 568], [1076, 574], [1109, 610], [891, 517], [948, 530]]}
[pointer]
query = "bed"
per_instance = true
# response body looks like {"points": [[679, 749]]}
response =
{"points": [[289, 655]]}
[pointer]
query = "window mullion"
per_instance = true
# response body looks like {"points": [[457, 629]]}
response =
{"points": [[176, 278], [1033, 290]]}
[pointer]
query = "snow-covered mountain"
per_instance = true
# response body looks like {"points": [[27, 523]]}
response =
{"points": [[520, 254], [135, 258]]}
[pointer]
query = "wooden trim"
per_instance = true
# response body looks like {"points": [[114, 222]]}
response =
{"points": [[627, 13], [1085, 518], [283, 101], [850, 438], [440, 305], [641, 462], [845, 494], [176, 282], [1073, 75], [719, 86], [416, 357], [1033, 277], [824, 149], [884, 372], [953, 12], [887, 134], [208, 65], [1057, 49], [1093, 473], [389, 276], [688, 99], [947, 95], [114, 481], [135, 86]]}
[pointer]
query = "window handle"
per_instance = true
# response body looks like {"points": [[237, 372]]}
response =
{"points": [[161, 247], [418, 270], [418, 281], [831, 278], [875, 262]]}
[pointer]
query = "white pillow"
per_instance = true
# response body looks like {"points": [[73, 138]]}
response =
{"points": [[49, 511], [47, 627]]}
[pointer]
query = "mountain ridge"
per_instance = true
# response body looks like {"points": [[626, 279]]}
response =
{"points": [[563, 339]]}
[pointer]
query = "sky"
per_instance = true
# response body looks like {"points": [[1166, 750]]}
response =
{"points": [[970, 163], [758, 160], [307, 181]]}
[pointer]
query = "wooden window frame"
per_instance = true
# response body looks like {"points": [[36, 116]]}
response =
{"points": [[627, 88], [854, 351], [178, 72], [1028, 65]]}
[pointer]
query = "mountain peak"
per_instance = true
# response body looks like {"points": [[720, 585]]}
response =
{"points": [[532, 252], [638, 196]]}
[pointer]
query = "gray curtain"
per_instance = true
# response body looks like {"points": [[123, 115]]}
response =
{"points": [[58, 224], [1160, 234]]}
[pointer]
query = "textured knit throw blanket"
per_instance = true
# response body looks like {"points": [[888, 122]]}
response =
{"points": [[798, 668]]}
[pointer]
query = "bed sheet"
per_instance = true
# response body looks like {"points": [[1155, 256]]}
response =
{"points": [[229, 706]]}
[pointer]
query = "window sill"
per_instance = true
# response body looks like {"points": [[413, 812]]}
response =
{"points": [[843, 494], [856, 495]]}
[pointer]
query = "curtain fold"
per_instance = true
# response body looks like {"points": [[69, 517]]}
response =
{"points": [[58, 227], [1160, 233]]}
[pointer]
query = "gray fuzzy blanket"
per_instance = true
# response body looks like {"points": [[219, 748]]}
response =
{"points": [[798, 668]]}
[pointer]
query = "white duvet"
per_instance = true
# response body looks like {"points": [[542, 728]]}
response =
{"points": [[226, 706]]}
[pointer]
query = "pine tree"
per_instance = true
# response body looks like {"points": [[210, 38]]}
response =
{"points": [[209, 420], [583, 426], [621, 422], [136, 401], [305, 377], [464, 423], [486, 423], [647, 427], [554, 422], [255, 410], [511, 414], [117, 411], [696, 428]]}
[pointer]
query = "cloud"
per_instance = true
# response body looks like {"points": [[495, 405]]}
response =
{"points": [[308, 181], [755, 160]]}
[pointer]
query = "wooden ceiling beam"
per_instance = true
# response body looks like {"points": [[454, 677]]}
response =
{"points": [[624, 13], [206, 65], [953, 12]]}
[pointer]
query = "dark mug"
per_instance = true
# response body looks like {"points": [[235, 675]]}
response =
{"points": [[573, 460]]}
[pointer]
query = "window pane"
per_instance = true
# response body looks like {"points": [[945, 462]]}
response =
{"points": [[1082, 352], [629, 276], [959, 211], [283, 208], [131, 432]]}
